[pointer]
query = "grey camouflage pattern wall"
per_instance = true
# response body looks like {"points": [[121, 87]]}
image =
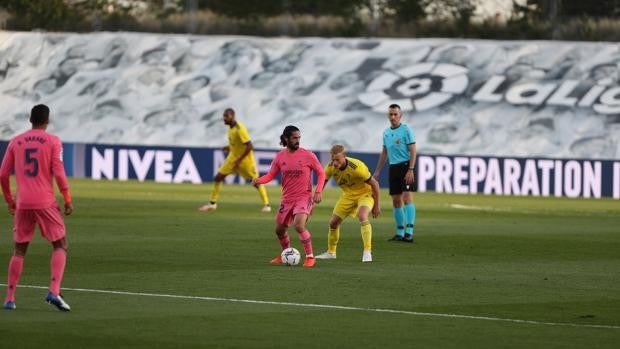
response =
{"points": [[470, 97]]}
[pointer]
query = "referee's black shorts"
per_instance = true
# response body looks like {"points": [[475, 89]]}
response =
{"points": [[397, 179]]}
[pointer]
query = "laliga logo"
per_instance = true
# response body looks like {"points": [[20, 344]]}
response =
{"points": [[418, 87], [427, 85]]}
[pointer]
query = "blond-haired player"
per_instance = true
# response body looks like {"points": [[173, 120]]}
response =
{"points": [[360, 196], [240, 160]]}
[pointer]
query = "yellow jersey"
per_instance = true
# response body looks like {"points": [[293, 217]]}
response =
{"points": [[238, 136], [352, 180]]}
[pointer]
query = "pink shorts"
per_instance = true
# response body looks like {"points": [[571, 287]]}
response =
{"points": [[288, 209], [50, 222]]}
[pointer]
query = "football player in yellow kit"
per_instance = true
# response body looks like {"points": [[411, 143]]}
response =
{"points": [[240, 160], [359, 197]]}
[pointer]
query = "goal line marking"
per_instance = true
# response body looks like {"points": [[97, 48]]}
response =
{"points": [[328, 306]]}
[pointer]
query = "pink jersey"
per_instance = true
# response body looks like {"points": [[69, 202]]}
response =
{"points": [[296, 177], [36, 157]]}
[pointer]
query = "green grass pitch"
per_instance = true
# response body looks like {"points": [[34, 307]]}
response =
{"points": [[147, 270]]}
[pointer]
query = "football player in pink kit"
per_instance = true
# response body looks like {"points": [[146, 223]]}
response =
{"points": [[295, 164], [36, 156]]}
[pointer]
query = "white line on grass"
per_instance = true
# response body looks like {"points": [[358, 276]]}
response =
{"points": [[327, 306], [479, 208]]}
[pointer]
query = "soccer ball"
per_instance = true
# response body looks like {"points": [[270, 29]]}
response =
{"points": [[290, 256]]}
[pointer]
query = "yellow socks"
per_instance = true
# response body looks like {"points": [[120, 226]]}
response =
{"points": [[366, 229], [215, 194], [263, 194], [332, 239]]}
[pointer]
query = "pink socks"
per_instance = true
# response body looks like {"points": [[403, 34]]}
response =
{"points": [[285, 241], [57, 266], [16, 265], [306, 240]]}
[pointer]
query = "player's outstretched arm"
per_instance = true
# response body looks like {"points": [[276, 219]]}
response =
{"points": [[274, 169]]}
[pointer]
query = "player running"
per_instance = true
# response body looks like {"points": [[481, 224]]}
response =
{"points": [[240, 160]]}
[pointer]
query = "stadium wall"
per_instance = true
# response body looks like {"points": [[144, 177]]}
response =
{"points": [[541, 99], [493, 117], [438, 173]]}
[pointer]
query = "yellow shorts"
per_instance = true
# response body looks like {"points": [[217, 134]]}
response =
{"points": [[348, 205], [247, 168]]}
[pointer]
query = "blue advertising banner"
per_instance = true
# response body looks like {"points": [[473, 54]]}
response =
{"points": [[436, 173], [519, 176], [161, 164]]}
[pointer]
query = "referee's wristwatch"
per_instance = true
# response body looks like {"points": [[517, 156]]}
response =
{"points": [[412, 168]]}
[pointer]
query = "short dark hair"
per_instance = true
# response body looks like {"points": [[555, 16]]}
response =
{"points": [[288, 132], [229, 111], [39, 115], [394, 106]]}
